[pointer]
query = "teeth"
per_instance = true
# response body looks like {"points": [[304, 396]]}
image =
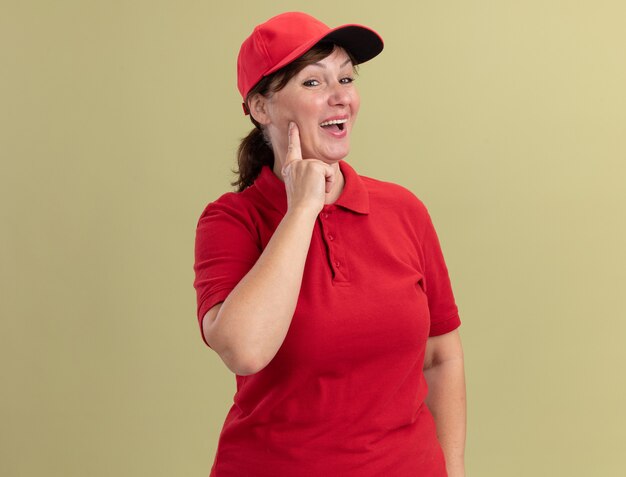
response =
{"points": [[334, 121]]}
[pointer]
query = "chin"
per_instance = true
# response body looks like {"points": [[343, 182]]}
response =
{"points": [[333, 159], [335, 155], [340, 157]]}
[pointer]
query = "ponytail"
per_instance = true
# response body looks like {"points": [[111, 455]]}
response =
{"points": [[252, 155]]}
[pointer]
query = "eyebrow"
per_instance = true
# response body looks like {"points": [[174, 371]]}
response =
{"points": [[340, 66]]}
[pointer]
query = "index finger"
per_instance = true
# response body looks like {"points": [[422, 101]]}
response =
{"points": [[294, 153]]}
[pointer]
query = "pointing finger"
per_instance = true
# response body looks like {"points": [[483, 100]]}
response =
{"points": [[294, 152]]}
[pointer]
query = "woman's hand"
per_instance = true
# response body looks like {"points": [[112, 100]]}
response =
{"points": [[307, 181]]}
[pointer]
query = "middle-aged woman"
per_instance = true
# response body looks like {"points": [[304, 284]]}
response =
{"points": [[325, 292]]}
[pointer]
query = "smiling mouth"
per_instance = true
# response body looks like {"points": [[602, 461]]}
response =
{"points": [[336, 124]]}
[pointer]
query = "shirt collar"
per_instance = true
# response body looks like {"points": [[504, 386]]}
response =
{"points": [[354, 196]]}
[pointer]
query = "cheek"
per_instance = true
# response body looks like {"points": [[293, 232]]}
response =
{"points": [[303, 114], [309, 111], [355, 103]]}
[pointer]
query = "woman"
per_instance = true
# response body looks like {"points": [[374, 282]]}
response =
{"points": [[324, 291]]}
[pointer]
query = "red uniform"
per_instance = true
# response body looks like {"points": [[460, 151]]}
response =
{"points": [[344, 395]]}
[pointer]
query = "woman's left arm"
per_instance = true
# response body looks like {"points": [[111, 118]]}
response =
{"points": [[445, 375]]}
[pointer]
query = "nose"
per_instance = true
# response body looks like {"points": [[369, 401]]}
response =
{"points": [[339, 95]]}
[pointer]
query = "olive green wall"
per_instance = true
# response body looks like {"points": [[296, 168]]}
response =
{"points": [[118, 123]]}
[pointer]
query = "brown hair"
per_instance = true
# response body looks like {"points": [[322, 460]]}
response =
{"points": [[254, 150]]}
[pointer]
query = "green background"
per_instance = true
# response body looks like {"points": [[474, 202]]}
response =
{"points": [[118, 123]]}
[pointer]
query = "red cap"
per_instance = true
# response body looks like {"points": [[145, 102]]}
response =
{"points": [[287, 36]]}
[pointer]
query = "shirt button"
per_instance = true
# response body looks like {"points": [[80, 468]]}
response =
{"points": [[331, 238], [324, 215], [337, 264]]}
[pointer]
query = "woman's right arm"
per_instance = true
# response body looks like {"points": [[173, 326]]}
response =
{"points": [[248, 328]]}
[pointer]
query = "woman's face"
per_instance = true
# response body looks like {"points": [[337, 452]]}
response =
{"points": [[323, 101]]}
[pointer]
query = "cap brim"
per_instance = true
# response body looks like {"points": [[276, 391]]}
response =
{"points": [[363, 44]]}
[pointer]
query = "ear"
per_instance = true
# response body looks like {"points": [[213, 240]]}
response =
{"points": [[258, 109]]}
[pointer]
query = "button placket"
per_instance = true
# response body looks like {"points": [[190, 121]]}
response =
{"points": [[336, 259]]}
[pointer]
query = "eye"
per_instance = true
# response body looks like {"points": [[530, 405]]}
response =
{"points": [[346, 80], [311, 82]]}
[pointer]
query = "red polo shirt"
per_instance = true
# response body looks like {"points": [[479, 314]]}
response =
{"points": [[344, 395]]}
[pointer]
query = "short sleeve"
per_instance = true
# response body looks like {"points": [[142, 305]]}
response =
{"points": [[226, 248], [444, 314]]}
